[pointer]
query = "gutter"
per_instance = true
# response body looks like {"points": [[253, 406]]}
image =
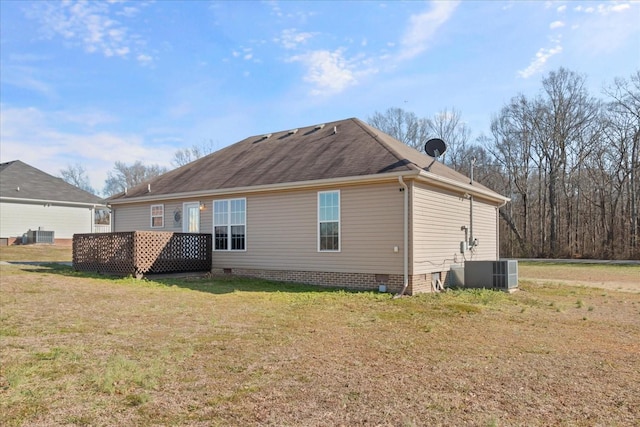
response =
{"points": [[458, 186], [405, 250], [284, 186], [51, 202], [498, 227]]}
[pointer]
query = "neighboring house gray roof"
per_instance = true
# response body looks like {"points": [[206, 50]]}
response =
{"points": [[18, 180], [298, 155]]}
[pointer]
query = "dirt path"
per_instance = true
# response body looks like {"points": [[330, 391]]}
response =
{"points": [[624, 278], [611, 286]]}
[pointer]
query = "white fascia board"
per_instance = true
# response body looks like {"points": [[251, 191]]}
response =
{"points": [[431, 178], [392, 177]]}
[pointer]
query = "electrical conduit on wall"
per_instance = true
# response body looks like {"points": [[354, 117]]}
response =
{"points": [[405, 249]]}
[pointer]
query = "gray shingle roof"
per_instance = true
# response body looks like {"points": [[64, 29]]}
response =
{"points": [[309, 153], [18, 180]]}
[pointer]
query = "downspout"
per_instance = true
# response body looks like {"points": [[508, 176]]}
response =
{"points": [[471, 238], [498, 228], [405, 251]]}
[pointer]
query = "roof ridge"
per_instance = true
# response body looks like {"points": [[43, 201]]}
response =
{"points": [[384, 144]]}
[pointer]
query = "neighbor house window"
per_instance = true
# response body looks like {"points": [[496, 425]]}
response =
{"points": [[157, 216], [229, 224], [329, 221]]}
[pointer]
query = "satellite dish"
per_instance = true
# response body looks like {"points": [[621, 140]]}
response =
{"points": [[435, 147]]}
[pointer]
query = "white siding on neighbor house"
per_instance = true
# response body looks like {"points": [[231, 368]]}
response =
{"points": [[137, 217], [18, 218], [282, 232], [437, 218]]}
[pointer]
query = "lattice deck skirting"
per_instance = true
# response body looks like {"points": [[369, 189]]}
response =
{"points": [[142, 252]]}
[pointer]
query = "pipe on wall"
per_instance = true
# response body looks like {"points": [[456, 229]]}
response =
{"points": [[405, 250]]}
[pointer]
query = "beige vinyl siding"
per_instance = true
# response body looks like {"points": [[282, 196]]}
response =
{"points": [[437, 218], [17, 218], [137, 217], [282, 232], [484, 229]]}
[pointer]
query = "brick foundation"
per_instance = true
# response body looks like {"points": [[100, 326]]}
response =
{"points": [[356, 281], [425, 283]]}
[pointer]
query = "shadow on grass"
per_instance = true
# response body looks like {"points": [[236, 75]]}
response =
{"points": [[212, 285]]}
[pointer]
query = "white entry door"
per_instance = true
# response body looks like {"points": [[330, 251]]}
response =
{"points": [[191, 217]]}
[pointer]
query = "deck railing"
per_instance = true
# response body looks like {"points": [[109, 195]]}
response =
{"points": [[102, 228], [142, 252]]}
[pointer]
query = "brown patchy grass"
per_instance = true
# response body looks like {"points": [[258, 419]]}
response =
{"points": [[606, 276], [88, 350], [38, 253]]}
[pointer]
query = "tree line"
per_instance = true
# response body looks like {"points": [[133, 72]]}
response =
{"points": [[568, 160], [124, 175]]}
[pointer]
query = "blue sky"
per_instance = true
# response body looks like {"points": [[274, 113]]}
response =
{"points": [[97, 82]]}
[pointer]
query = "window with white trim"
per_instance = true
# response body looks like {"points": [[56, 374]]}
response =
{"points": [[157, 216], [329, 221], [229, 224]]}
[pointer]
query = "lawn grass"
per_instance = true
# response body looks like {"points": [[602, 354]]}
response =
{"points": [[81, 349], [36, 253]]}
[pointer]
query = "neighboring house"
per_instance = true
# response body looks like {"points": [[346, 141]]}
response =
{"points": [[338, 204], [32, 200]]}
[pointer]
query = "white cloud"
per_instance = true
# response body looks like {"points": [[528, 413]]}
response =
{"points": [[562, 8], [129, 11], [275, 8], [89, 24], [291, 38], [424, 27], [599, 28], [605, 27], [144, 59], [542, 56], [55, 140], [245, 53], [605, 9], [584, 9], [328, 71], [26, 77]]}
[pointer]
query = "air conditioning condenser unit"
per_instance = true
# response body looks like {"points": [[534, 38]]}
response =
{"points": [[501, 274]]}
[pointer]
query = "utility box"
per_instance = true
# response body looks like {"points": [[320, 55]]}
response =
{"points": [[501, 274], [455, 278], [40, 236]]}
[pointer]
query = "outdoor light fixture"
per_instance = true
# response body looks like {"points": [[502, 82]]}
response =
{"points": [[202, 206]]}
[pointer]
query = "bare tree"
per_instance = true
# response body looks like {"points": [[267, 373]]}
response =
{"points": [[625, 95], [448, 126], [188, 155], [562, 113], [126, 176], [77, 175], [569, 162], [511, 148], [404, 126]]}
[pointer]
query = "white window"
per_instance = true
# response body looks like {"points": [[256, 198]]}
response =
{"points": [[329, 221], [157, 216], [229, 224]]}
